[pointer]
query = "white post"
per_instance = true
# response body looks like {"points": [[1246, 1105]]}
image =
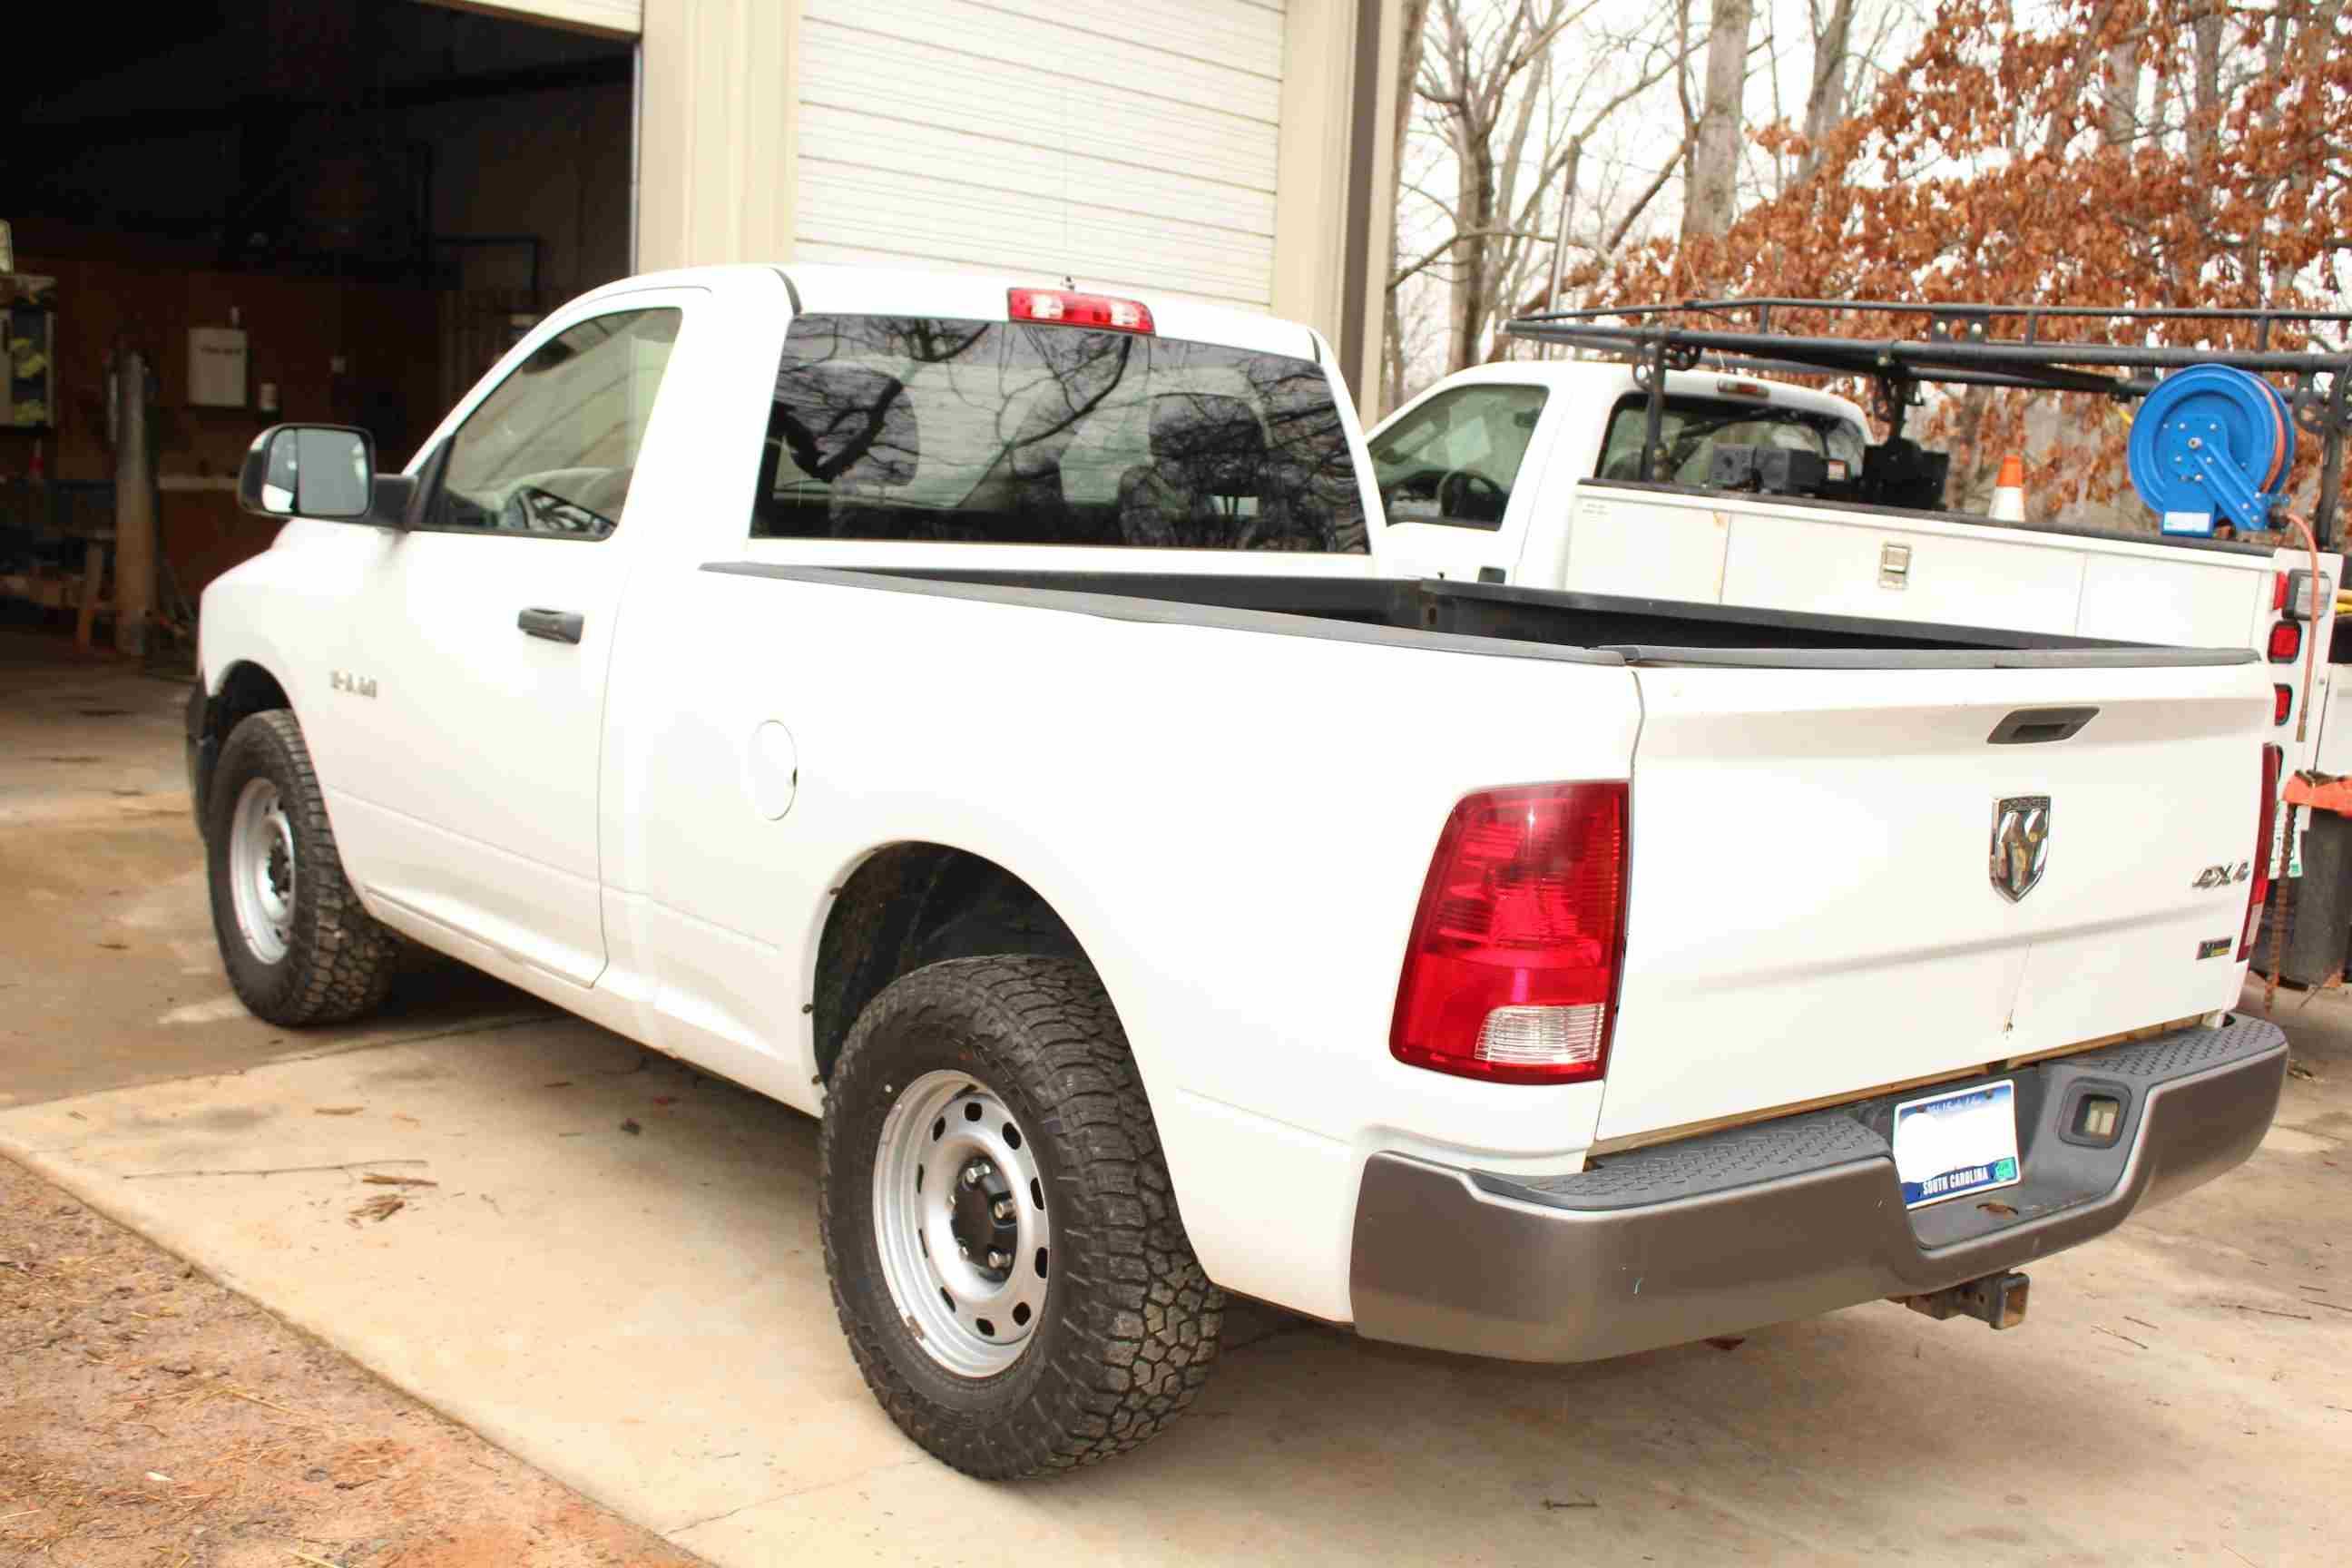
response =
{"points": [[1559, 241]]}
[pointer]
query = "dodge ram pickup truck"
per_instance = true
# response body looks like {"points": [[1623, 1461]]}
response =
{"points": [[967, 713]]}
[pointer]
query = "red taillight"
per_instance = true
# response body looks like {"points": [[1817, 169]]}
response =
{"points": [[2286, 642], [1061, 308], [2278, 591], [1511, 973], [2259, 889], [2282, 704]]}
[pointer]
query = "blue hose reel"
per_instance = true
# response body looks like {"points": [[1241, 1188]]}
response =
{"points": [[2212, 445]]}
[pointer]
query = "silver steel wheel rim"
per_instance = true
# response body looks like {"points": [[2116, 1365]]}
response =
{"points": [[949, 1154], [261, 870]]}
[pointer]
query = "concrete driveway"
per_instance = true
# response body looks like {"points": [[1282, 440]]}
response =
{"points": [[615, 1276]]}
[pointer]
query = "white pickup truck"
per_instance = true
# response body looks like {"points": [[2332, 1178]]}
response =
{"points": [[965, 712]]}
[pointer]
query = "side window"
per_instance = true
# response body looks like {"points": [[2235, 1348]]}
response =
{"points": [[1454, 459], [551, 449]]}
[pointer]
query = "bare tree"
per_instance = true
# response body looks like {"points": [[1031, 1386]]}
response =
{"points": [[1711, 192], [1523, 104], [1542, 137], [1413, 26], [1483, 85], [1828, 102]]}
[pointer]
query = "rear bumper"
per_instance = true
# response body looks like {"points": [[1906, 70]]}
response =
{"points": [[1785, 1219]]}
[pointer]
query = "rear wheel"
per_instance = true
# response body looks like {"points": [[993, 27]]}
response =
{"points": [[297, 947], [1005, 1252]]}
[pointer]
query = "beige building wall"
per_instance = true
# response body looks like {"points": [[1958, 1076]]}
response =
{"points": [[618, 18], [1337, 198], [1311, 192], [718, 109]]}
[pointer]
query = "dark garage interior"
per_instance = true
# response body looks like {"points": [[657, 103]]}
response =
{"points": [[324, 210]]}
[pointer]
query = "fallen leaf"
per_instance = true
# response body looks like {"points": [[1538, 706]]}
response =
{"points": [[116, 946], [337, 1109], [379, 1208], [631, 1127], [1553, 1502], [1727, 1341], [559, 1083], [400, 1182]]}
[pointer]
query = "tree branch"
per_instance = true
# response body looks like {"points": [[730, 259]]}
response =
{"points": [[1456, 239]]}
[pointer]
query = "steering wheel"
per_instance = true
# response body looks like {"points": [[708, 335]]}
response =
{"points": [[531, 510], [1460, 492]]}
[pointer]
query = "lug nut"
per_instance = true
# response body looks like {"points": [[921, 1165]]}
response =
{"points": [[975, 1171], [963, 1247], [999, 1259], [1000, 1209]]}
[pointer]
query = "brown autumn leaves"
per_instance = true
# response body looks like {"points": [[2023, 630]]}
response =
{"points": [[2081, 152]]}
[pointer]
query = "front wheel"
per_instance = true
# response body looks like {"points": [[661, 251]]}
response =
{"points": [[1004, 1250], [297, 947]]}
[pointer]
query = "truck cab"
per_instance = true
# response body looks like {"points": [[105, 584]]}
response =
{"points": [[1479, 475]]}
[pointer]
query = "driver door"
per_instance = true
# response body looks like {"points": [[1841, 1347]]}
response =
{"points": [[1449, 473], [484, 635]]}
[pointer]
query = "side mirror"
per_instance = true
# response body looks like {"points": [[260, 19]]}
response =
{"points": [[324, 472]]}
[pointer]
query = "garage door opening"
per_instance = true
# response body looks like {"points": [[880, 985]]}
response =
{"points": [[339, 211]]}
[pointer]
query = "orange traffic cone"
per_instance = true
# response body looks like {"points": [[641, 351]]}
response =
{"points": [[2008, 491]]}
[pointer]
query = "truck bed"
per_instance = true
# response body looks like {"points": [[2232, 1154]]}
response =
{"points": [[1526, 622]]}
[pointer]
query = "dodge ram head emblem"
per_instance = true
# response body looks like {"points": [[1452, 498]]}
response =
{"points": [[2020, 844]]}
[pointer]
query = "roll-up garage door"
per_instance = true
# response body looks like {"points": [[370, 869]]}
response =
{"points": [[1127, 143]]}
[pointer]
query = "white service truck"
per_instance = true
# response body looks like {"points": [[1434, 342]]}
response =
{"points": [[967, 713]]}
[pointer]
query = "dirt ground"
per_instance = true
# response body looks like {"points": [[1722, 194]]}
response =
{"points": [[150, 1418]]}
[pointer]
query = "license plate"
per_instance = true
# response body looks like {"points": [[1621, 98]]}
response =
{"points": [[1948, 1145]]}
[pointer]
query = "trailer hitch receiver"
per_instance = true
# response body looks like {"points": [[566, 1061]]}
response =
{"points": [[1995, 1299]]}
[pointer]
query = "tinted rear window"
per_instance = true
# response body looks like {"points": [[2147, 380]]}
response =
{"points": [[905, 427]]}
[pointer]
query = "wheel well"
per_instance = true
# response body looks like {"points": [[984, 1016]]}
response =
{"points": [[246, 691], [913, 904]]}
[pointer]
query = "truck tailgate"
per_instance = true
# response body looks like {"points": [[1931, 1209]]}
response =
{"points": [[1813, 911]]}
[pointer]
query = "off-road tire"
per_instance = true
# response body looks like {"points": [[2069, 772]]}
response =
{"points": [[1131, 1322], [339, 962]]}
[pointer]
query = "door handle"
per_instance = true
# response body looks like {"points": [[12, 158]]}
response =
{"points": [[555, 626]]}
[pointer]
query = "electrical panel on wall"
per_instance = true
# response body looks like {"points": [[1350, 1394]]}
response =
{"points": [[217, 363]]}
